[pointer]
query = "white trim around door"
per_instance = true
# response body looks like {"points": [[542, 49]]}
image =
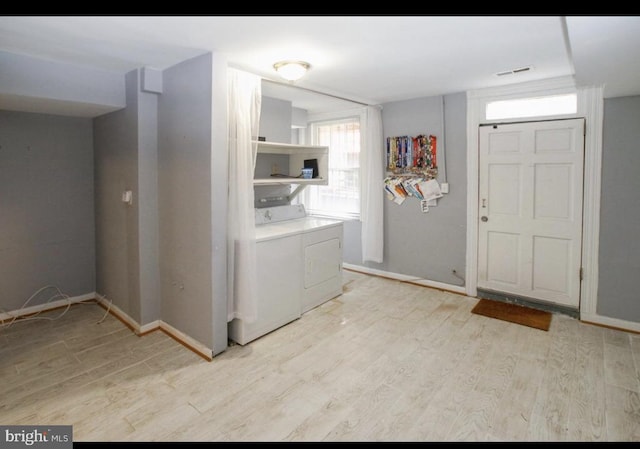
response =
{"points": [[590, 106]]}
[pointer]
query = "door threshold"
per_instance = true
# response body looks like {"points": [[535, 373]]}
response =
{"points": [[528, 302]]}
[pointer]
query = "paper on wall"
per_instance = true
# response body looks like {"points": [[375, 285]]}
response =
{"points": [[398, 200], [430, 189], [395, 191]]}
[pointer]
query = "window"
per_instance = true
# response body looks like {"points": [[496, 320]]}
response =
{"points": [[532, 107], [341, 197]]}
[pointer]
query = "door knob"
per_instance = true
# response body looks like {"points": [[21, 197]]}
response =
{"points": [[484, 218]]}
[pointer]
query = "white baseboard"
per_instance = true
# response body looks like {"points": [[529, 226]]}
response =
{"points": [[119, 313], [590, 318], [610, 322], [174, 333], [187, 341], [47, 306], [149, 327], [403, 277]]}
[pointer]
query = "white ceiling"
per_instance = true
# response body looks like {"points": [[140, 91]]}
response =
{"points": [[369, 59]]}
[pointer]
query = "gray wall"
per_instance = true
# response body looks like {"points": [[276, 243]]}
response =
{"points": [[425, 245], [124, 253], [619, 258], [117, 230], [184, 197], [147, 202], [219, 200], [46, 207], [125, 145], [25, 76], [275, 126], [275, 120]]}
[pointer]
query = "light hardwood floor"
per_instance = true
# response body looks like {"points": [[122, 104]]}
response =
{"points": [[386, 361]]}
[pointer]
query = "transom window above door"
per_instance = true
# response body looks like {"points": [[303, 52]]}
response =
{"points": [[532, 107]]}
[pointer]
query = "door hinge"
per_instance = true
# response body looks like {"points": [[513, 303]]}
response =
{"points": [[581, 273]]}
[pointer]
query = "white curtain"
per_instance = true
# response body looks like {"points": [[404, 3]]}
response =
{"points": [[371, 189], [244, 99]]}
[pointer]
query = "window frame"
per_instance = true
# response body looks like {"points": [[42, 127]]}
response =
{"points": [[523, 116], [335, 118]]}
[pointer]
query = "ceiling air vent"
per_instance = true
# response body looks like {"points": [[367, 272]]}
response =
{"points": [[514, 71]]}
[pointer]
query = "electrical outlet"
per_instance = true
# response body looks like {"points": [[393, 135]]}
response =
{"points": [[274, 169], [444, 187]]}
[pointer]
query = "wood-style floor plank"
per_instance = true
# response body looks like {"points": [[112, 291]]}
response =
{"points": [[385, 361]]}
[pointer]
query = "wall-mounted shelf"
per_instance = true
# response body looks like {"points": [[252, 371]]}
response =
{"points": [[282, 181], [288, 159], [289, 148]]}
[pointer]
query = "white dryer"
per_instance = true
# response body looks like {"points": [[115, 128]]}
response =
{"points": [[299, 261]]}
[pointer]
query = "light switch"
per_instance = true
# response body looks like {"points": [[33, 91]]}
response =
{"points": [[127, 197]]}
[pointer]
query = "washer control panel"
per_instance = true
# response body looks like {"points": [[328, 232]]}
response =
{"points": [[266, 215]]}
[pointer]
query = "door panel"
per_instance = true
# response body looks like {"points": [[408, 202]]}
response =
{"points": [[503, 259], [504, 189], [530, 209], [553, 181], [552, 259]]}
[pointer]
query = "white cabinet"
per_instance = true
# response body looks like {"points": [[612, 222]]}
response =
{"points": [[288, 160], [279, 282]]}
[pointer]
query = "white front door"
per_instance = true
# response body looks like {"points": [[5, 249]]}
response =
{"points": [[530, 209]]}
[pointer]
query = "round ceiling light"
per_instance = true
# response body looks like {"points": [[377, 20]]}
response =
{"points": [[291, 70]]}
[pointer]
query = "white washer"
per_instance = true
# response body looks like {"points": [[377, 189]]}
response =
{"points": [[299, 267]]}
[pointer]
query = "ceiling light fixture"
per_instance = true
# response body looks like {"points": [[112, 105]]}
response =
{"points": [[291, 70]]}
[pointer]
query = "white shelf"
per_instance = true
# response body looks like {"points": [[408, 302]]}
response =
{"points": [[289, 148], [295, 157], [283, 181]]}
